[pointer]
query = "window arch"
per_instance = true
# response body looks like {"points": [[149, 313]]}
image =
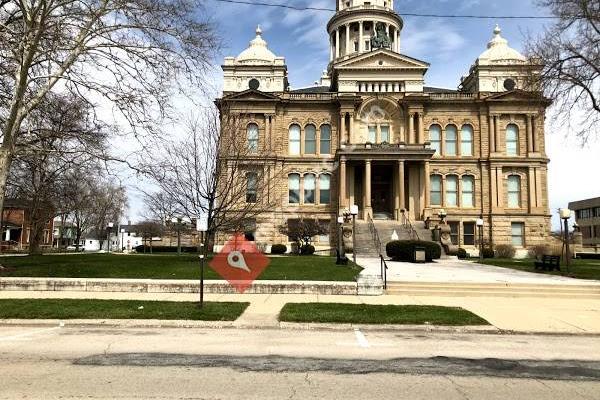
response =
{"points": [[466, 140], [294, 188], [452, 191], [435, 183], [310, 139], [309, 188], [512, 140], [324, 189], [252, 137], [514, 191], [435, 137], [325, 142], [294, 139], [451, 140], [468, 191]]}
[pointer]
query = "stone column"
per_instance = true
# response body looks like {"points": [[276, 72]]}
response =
{"points": [[427, 185], [342, 184], [492, 127], [397, 41], [528, 120], [337, 43], [347, 39], [387, 32], [267, 141], [351, 131], [538, 186], [532, 189], [493, 189], [368, 210], [330, 48], [500, 186], [401, 187], [411, 127], [343, 128], [497, 132], [534, 139], [360, 37], [421, 129]]}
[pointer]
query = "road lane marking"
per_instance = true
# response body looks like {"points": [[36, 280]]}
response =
{"points": [[361, 339], [25, 334]]}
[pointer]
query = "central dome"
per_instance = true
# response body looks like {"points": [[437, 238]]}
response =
{"points": [[499, 51], [258, 52]]}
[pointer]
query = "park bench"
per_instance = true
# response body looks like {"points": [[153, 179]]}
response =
{"points": [[548, 263]]}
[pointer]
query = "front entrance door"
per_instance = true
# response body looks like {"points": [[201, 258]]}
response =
{"points": [[382, 195]]}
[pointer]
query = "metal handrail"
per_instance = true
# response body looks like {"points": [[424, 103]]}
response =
{"points": [[407, 224], [377, 242]]}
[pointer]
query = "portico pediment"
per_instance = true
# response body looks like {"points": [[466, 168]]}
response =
{"points": [[251, 95], [516, 95], [381, 59]]}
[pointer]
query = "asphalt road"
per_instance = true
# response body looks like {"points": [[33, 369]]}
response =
{"points": [[169, 363]]}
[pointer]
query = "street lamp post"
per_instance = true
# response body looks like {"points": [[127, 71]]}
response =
{"points": [[108, 229], [442, 214], [354, 213], [565, 215], [479, 224], [341, 254]]}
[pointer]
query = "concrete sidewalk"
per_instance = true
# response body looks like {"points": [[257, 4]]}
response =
{"points": [[525, 315]]}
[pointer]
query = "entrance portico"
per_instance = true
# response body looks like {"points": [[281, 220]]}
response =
{"points": [[383, 181]]}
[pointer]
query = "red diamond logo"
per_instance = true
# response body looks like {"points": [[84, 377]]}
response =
{"points": [[239, 262]]}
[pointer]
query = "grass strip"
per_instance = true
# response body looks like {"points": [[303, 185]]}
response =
{"points": [[378, 314], [118, 309], [580, 269]]}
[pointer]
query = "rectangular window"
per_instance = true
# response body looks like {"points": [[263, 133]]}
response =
{"points": [[324, 189], [468, 191], [469, 233], [385, 134], [325, 143], [514, 191], [451, 191], [294, 189], [355, 46], [251, 183], [517, 233], [309, 189], [597, 212], [372, 134], [436, 190], [454, 232]]}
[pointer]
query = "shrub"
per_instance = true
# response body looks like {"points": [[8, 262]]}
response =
{"points": [[538, 251], [278, 249], [505, 251], [307, 250], [488, 252], [462, 253], [165, 249], [404, 250]]}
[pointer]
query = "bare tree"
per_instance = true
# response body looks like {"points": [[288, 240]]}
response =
{"points": [[108, 205], [570, 51], [132, 54], [149, 229], [303, 230]]}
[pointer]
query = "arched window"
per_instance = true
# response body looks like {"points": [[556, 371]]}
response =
{"points": [[468, 190], [451, 134], [324, 189], [294, 139], [514, 191], [466, 140], [310, 139], [252, 135], [435, 137], [294, 188], [309, 189], [512, 140], [251, 185], [451, 190], [436, 190], [325, 145]]}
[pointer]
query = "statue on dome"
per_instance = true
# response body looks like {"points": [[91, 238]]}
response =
{"points": [[381, 40]]}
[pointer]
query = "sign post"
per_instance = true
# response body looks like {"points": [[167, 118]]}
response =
{"points": [[202, 228]]}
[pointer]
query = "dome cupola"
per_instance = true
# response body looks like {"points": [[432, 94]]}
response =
{"points": [[257, 52]]}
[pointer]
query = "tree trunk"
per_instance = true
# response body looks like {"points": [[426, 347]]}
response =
{"points": [[77, 238], [5, 161], [35, 238]]}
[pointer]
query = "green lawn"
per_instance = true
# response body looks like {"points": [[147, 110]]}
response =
{"points": [[170, 266], [582, 269], [378, 314], [118, 309]]}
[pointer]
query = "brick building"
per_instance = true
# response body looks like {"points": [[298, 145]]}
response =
{"points": [[587, 216], [371, 133], [16, 230]]}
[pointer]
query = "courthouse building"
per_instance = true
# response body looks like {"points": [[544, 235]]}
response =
{"points": [[373, 134]]}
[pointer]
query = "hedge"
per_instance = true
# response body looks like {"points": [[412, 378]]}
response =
{"points": [[307, 250], [166, 249], [278, 249], [404, 250]]}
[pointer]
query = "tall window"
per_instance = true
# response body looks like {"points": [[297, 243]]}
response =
{"points": [[385, 133], [435, 137], [309, 189], [469, 233], [372, 134], [294, 188], [451, 134], [252, 135], [451, 190], [468, 189], [454, 232], [466, 140], [514, 191], [294, 140], [310, 139], [436, 190], [325, 146], [517, 233], [324, 189], [512, 140], [251, 183]]}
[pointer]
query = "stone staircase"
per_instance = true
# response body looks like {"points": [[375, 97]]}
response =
{"points": [[365, 247]]}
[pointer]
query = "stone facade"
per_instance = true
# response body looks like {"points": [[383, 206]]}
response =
{"points": [[373, 135]]}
